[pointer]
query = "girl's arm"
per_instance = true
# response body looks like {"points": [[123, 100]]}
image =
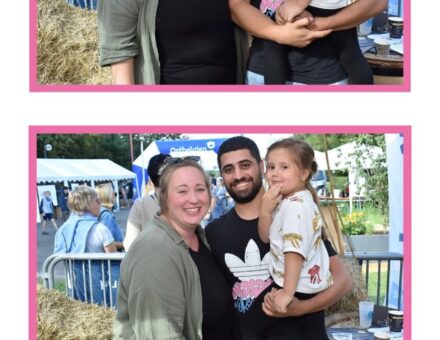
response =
{"points": [[270, 200], [350, 16], [292, 269], [342, 285]]}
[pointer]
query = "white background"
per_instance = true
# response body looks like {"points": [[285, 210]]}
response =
{"points": [[19, 109]]}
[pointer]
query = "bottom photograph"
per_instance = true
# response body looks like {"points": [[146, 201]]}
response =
{"points": [[220, 233]]}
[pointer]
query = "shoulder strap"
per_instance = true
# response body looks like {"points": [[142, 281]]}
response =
{"points": [[102, 213]]}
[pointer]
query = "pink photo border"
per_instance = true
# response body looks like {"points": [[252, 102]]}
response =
{"points": [[35, 130], [34, 86]]}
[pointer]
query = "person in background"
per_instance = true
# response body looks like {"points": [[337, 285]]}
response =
{"points": [[221, 201], [47, 211], [170, 285], [106, 196], [63, 203], [244, 258], [83, 233], [145, 207]]}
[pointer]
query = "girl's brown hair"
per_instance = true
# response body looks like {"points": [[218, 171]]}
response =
{"points": [[303, 156]]}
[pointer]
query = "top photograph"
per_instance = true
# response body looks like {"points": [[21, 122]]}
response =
{"points": [[220, 46]]}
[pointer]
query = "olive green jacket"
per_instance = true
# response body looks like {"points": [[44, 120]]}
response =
{"points": [[159, 292], [127, 30]]}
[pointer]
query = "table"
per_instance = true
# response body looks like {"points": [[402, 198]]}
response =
{"points": [[356, 334], [387, 70]]}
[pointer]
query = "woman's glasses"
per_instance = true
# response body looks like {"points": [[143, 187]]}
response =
{"points": [[177, 160]]}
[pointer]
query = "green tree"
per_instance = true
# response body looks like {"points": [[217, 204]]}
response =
{"points": [[333, 140], [115, 147]]}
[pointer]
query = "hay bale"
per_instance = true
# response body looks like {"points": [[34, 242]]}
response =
{"points": [[350, 302], [67, 49], [60, 317]]}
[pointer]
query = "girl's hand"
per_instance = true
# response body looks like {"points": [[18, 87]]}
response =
{"points": [[271, 199], [281, 301], [287, 12], [269, 306]]}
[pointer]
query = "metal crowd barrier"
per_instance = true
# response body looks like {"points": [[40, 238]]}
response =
{"points": [[91, 277], [374, 261], [94, 277]]}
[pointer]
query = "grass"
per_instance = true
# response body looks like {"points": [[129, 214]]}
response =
{"points": [[60, 285], [372, 286]]}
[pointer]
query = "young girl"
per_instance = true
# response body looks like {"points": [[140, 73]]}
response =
{"points": [[289, 219], [300, 65]]}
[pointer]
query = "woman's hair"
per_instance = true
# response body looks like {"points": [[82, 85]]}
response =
{"points": [[106, 195], [80, 198], [165, 177], [303, 157]]}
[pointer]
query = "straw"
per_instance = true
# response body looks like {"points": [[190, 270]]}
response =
{"points": [[67, 49], [60, 317]]}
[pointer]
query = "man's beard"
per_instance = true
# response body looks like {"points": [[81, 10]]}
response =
{"points": [[245, 196]]}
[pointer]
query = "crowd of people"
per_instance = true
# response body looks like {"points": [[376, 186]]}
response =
{"points": [[197, 266]]}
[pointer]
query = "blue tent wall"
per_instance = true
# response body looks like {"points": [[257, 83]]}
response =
{"points": [[173, 147]]}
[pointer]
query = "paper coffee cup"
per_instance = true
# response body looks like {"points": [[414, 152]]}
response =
{"points": [[382, 46], [395, 320], [395, 27]]}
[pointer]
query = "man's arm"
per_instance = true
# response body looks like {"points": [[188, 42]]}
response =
{"points": [[342, 284], [257, 24], [350, 16]]}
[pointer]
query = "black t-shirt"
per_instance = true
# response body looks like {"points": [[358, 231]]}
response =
{"points": [[217, 304], [317, 63], [195, 40], [245, 260]]}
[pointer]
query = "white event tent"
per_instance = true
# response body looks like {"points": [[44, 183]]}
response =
{"points": [[51, 170]]}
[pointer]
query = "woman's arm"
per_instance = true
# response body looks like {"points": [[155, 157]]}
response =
{"points": [[350, 16], [118, 43], [110, 248], [257, 24], [342, 284], [123, 72]]}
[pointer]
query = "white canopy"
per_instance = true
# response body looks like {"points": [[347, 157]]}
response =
{"points": [[343, 157], [62, 170]]}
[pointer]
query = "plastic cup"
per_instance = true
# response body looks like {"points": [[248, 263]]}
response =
{"points": [[365, 313]]}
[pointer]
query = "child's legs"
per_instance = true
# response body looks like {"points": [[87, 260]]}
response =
{"points": [[351, 57], [54, 223], [312, 326], [276, 66]]}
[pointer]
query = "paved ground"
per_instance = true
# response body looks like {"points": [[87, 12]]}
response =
{"points": [[45, 242]]}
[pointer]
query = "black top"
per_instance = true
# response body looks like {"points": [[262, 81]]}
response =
{"points": [[195, 40], [244, 258], [216, 296]]}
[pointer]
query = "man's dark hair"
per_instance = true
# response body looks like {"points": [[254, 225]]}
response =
{"points": [[238, 143], [154, 166]]}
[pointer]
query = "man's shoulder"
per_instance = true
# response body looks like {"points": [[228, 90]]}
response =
{"points": [[219, 224]]}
